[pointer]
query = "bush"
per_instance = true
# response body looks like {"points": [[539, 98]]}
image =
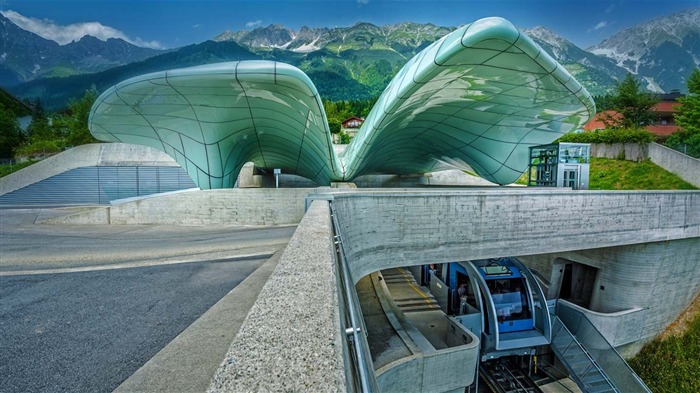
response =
{"points": [[40, 147], [610, 135], [6, 169]]}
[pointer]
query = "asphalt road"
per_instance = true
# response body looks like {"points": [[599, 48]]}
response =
{"points": [[26, 246], [89, 331], [83, 307]]}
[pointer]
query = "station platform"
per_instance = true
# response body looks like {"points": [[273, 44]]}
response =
{"points": [[404, 319]]}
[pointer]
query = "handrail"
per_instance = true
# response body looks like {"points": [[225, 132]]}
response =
{"points": [[368, 382], [562, 327], [594, 339]]}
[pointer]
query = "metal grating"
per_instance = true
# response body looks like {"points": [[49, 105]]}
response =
{"points": [[98, 185]]}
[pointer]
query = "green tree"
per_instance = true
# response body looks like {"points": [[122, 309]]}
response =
{"points": [[334, 125], [74, 124], [344, 138], [688, 118], [11, 135], [39, 128], [635, 107]]}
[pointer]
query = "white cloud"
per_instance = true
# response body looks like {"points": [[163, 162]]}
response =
{"points": [[610, 8], [362, 2], [74, 32], [600, 25], [197, 26], [252, 24]]}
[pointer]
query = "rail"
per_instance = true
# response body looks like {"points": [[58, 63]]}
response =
{"points": [[581, 365], [616, 368], [361, 371]]}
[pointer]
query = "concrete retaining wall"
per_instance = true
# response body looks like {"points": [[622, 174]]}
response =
{"points": [[96, 154], [291, 339], [688, 168], [233, 206], [626, 151]]}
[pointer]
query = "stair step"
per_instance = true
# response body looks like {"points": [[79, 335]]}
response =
{"points": [[422, 302], [416, 309]]}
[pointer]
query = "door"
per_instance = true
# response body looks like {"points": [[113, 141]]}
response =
{"points": [[572, 177]]}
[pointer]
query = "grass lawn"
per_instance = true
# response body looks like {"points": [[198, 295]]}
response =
{"points": [[611, 174], [671, 364]]}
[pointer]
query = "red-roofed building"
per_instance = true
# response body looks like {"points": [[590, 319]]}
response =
{"points": [[353, 122], [665, 124]]}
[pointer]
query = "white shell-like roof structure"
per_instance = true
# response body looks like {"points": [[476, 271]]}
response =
{"points": [[476, 99]]}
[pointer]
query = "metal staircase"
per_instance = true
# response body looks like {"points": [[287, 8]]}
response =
{"points": [[581, 366], [590, 359]]}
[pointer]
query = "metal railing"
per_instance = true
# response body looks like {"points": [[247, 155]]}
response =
{"points": [[581, 365], [616, 368], [361, 369]]}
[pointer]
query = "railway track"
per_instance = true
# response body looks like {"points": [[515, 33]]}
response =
{"points": [[502, 376]]}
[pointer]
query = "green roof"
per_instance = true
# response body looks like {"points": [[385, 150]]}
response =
{"points": [[476, 99]]}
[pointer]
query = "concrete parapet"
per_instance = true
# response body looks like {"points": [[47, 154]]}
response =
{"points": [[291, 338], [618, 328], [450, 369], [233, 206], [385, 229]]}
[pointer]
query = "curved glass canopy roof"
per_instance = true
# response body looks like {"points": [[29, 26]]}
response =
{"points": [[475, 99]]}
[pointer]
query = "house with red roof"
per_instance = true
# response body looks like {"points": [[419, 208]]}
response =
{"points": [[664, 125]]}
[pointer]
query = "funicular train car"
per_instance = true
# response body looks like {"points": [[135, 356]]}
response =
{"points": [[499, 300]]}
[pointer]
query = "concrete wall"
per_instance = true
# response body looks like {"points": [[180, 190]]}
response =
{"points": [[682, 165], [619, 328], [450, 369], [96, 154], [662, 276], [382, 230], [639, 289], [291, 339], [233, 206], [626, 151]]}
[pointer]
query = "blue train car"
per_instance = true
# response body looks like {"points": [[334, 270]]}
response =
{"points": [[498, 300]]}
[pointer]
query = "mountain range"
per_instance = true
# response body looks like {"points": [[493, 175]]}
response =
{"points": [[24, 56], [354, 62]]}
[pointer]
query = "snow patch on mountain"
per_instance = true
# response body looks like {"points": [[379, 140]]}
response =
{"points": [[306, 48], [653, 86]]}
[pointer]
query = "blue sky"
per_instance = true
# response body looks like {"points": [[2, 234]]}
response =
{"points": [[174, 23]]}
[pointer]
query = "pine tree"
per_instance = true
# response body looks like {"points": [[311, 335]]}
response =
{"points": [[11, 135], [635, 107], [688, 118]]}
